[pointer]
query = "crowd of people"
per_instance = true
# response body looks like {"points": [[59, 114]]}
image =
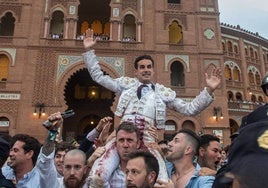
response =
{"points": [[131, 156]]}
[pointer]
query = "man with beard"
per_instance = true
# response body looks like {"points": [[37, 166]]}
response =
{"points": [[74, 169], [142, 170], [182, 150], [143, 102], [22, 158]]}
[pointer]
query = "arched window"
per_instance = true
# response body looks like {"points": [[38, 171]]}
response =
{"points": [[260, 99], [188, 125], [258, 78], [170, 125], [256, 54], [230, 46], [251, 77], [235, 49], [57, 24], [246, 51], [170, 129], [253, 98], [251, 52], [97, 27], [223, 46], [238, 96], [230, 96], [84, 27], [236, 74], [129, 28], [106, 30], [4, 66], [7, 25], [90, 11], [177, 76], [175, 32], [227, 71]]}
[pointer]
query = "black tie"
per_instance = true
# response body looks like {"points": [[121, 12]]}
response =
{"points": [[139, 90]]}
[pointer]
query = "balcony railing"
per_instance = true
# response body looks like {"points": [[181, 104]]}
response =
{"points": [[243, 106]]}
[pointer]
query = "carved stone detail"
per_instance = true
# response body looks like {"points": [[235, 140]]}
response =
{"points": [[130, 4], [14, 8], [168, 18], [44, 84], [9, 106]]}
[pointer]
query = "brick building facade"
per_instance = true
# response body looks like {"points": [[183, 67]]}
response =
{"points": [[42, 70]]}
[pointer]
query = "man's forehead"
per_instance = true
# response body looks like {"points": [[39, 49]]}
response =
{"points": [[179, 136], [73, 159], [61, 152], [136, 162], [125, 134], [214, 144], [145, 62], [18, 144]]}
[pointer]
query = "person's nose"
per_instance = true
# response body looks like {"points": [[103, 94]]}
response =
{"points": [[125, 144], [129, 177], [61, 158], [169, 144], [146, 69], [72, 171], [219, 156], [11, 152]]}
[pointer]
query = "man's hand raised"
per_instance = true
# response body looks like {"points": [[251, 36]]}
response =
{"points": [[213, 80], [89, 40]]}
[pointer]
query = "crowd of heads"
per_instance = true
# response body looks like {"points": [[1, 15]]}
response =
{"points": [[142, 168]]}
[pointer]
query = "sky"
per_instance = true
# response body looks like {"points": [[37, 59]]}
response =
{"points": [[251, 15]]}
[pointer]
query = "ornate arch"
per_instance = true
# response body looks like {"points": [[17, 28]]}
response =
{"points": [[58, 8], [129, 11], [192, 119], [181, 19], [75, 67], [13, 14], [184, 59], [253, 69], [10, 53], [171, 20], [232, 65]]}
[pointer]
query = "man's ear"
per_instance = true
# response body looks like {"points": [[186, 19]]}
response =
{"points": [[188, 150], [152, 177], [135, 72], [29, 154], [86, 169], [138, 144], [201, 151]]}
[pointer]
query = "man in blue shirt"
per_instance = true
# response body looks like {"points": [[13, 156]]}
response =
{"points": [[22, 158], [182, 150]]}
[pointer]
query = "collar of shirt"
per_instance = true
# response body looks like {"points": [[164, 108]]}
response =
{"points": [[149, 85]]}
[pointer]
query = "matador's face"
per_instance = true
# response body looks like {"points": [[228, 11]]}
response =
{"points": [[145, 71]]}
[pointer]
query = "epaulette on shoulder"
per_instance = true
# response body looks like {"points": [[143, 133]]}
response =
{"points": [[165, 93], [127, 82]]}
